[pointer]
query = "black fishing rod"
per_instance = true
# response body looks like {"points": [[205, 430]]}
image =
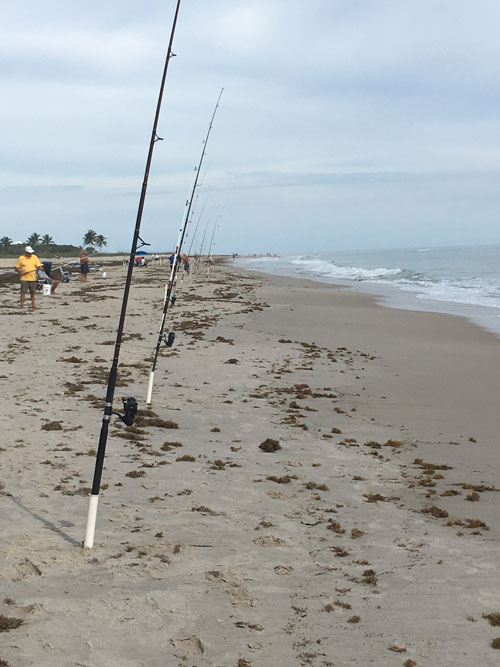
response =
{"points": [[169, 297], [196, 227], [129, 404], [209, 261], [202, 246]]}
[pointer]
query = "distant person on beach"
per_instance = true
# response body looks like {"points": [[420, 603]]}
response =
{"points": [[84, 266], [26, 267], [171, 259], [185, 260]]}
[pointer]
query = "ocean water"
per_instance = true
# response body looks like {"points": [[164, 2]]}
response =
{"points": [[461, 280]]}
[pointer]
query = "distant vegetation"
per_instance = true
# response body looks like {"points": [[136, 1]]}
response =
{"points": [[47, 247]]}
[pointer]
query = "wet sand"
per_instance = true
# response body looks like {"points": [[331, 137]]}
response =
{"points": [[371, 536]]}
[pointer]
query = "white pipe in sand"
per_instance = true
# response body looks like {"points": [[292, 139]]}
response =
{"points": [[91, 519], [150, 387]]}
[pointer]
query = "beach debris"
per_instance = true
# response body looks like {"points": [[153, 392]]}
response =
{"points": [[397, 649], [370, 577], [270, 445], [354, 619], [393, 443], [331, 606], [336, 527], [435, 511], [202, 509], [495, 643], [269, 541], [231, 361], [186, 457], [167, 446], [374, 497], [340, 552], [285, 479], [250, 626], [52, 426], [468, 523], [356, 532], [493, 618], [8, 623]]}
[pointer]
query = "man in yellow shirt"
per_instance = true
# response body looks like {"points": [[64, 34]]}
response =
{"points": [[26, 267]]}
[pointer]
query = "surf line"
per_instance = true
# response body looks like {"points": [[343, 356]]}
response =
{"points": [[129, 404], [170, 297]]}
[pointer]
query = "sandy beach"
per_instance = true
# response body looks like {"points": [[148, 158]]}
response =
{"points": [[316, 482]]}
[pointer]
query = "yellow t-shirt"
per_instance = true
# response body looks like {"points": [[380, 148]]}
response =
{"points": [[28, 266]]}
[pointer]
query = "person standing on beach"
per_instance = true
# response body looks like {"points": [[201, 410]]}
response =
{"points": [[26, 267], [185, 260], [84, 266]]}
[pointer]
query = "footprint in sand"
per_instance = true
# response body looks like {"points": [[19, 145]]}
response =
{"points": [[269, 541], [188, 647], [25, 569], [230, 584]]}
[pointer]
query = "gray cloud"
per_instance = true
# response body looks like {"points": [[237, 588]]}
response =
{"points": [[364, 109]]}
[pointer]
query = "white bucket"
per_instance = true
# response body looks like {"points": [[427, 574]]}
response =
{"points": [[46, 289], [104, 274]]}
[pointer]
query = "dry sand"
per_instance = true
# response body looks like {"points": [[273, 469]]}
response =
{"points": [[370, 538]]}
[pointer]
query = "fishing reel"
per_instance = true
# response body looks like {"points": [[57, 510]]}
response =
{"points": [[168, 340], [129, 409], [173, 299]]}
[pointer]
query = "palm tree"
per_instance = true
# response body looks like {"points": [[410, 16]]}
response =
{"points": [[90, 238], [34, 239], [100, 241], [6, 243], [47, 240]]}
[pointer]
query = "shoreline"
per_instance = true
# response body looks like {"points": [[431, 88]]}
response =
{"points": [[356, 542], [393, 296]]}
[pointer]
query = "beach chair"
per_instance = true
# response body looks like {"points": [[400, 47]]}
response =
{"points": [[43, 282]]}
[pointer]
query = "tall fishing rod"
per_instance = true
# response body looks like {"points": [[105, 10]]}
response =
{"points": [[129, 404], [196, 227], [202, 246], [169, 298], [210, 245]]}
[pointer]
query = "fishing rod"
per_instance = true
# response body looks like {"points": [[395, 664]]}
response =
{"points": [[129, 404], [169, 297], [202, 246], [217, 224], [196, 227], [210, 246]]}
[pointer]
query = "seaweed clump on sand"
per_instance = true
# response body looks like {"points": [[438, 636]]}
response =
{"points": [[286, 479], [8, 623], [493, 618], [147, 418], [436, 512], [270, 445], [52, 426]]}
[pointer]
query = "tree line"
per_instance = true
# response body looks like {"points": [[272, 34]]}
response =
{"points": [[46, 244]]}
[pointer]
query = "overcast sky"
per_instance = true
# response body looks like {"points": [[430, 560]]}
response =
{"points": [[343, 124]]}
